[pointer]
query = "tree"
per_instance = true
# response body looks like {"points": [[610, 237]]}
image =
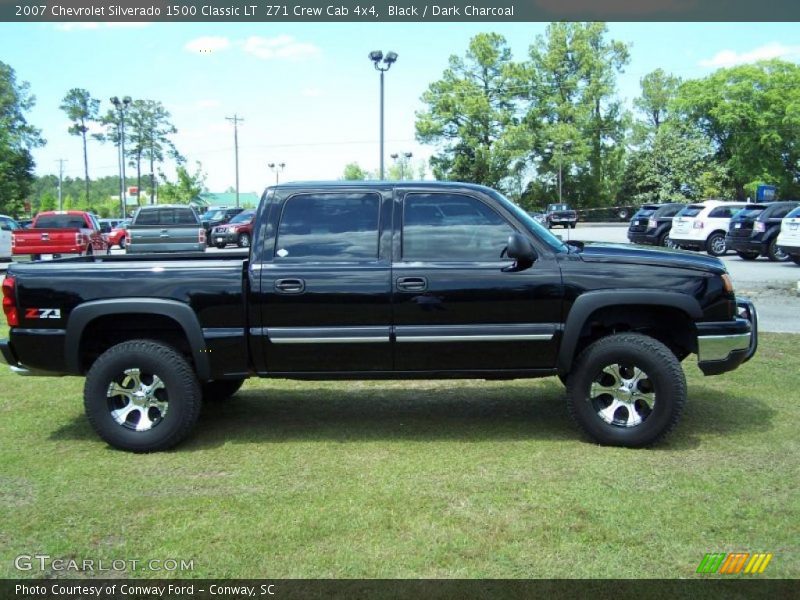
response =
{"points": [[187, 187], [471, 115], [751, 116], [658, 91], [150, 127], [17, 139], [81, 109], [353, 172], [570, 86]]}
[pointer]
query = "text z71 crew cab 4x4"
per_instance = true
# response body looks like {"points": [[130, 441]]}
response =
{"points": [[379, 280]]}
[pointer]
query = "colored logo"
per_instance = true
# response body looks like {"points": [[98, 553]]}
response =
{"points": [[734, 563]]}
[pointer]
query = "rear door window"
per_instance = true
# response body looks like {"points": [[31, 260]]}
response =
{"points": [[329, 227]]}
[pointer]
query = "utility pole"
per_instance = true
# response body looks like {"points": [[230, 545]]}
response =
{"points": [[61, 162], [235, 119]]}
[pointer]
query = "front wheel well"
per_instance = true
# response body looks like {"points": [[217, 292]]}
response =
{"points": [[671, 326], [107, 331]]}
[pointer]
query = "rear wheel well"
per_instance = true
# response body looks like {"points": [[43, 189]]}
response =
{"points": [[104, 332], [671, 326]]}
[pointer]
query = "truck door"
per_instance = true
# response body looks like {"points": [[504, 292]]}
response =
{"points": [[325, 284], [457, 306]]}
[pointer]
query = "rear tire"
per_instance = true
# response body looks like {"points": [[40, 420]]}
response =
{"points": [[796, 259], [715, 244], [626, 389], [220, 245], [142, 396], [774, 253], [748, 255]]}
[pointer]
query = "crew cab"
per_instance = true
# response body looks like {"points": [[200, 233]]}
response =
{"points": [[788, 240], [753, 231], [652, 223], [375, 280], [560, 214], [703, 226], [58, 232]]}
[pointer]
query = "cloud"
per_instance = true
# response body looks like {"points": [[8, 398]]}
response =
{"points": [[96, 25], [209, 43], [282, 46], [730, 58]]}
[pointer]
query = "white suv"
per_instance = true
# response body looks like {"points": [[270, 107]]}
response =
{"points": [[789, 237], [703, 226]]}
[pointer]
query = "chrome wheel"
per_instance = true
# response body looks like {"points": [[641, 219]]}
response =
{"points": [[138, 402], [622, 395], [716, 244]]}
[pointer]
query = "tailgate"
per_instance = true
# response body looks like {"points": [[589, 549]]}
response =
{"points": [[38, 241]]}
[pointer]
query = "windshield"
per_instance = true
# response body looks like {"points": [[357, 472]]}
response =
{"points": [[533, 226], [749, 212], [554, 207], [243, 217], [794, 214], [645, 211]]}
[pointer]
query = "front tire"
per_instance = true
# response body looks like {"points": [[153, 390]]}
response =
{"points": [[715, 244], [795, 259], [142, 396], [747, 255], [626, 389], [243, 241]]}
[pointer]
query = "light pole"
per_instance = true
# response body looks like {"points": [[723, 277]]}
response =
{"points": [[277, 168], [377, 58], [551, 150], [235, 120], [121, 106], [404, 158]]}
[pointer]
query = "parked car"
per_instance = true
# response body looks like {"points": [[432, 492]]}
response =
{"points": [[652, 223], [57, 232], [703, 226], [376, 280], [560, 214], [215, 216], [25, 223], [165, 228], [116, 236], [7, 227], [239, 230], [753, 231], [789, 237]]}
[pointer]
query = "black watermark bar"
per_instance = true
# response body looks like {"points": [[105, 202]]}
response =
{"points": [[397, 11], [376, 589]]}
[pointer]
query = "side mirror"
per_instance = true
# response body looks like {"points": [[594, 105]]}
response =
{"points": [[521, 250]]}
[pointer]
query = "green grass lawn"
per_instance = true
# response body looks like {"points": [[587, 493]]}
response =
{"points": [[421, 479]]}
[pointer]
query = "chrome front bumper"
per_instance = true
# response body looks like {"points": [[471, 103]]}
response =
{"points": [[723, 346]]}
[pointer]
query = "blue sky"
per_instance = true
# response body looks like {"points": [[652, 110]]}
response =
{"points": [[307, 92]]}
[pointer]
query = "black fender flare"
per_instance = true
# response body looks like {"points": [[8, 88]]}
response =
{"points": [[181, 313], [589, 302]]}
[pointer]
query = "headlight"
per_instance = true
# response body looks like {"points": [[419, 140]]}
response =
{"points": [[651, 223], [759, 227]]}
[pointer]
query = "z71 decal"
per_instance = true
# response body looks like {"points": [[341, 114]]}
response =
{"points": [[42, 313]]}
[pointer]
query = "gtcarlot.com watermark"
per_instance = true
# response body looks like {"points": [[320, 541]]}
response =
{"points": [[47, 563]]}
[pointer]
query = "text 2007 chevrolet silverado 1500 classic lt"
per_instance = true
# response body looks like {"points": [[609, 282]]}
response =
{"points": [[379, 280]]}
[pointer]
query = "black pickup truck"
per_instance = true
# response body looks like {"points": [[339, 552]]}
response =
{"points": [[379, 280]]}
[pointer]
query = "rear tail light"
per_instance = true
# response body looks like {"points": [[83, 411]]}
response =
{"points": [[759, 227], [651, 223], [10, 302], [698, 225], [13, 241], [127, 237], [201, 236], [78, 239]]}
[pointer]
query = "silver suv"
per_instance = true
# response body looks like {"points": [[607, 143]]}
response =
{"points": [[165, 228]]}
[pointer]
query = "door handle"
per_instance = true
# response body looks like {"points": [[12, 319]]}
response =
{"points": [[290, 286], [412, 284]]}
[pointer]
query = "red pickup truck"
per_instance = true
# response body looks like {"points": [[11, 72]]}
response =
{"points": [[54, 233]]}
